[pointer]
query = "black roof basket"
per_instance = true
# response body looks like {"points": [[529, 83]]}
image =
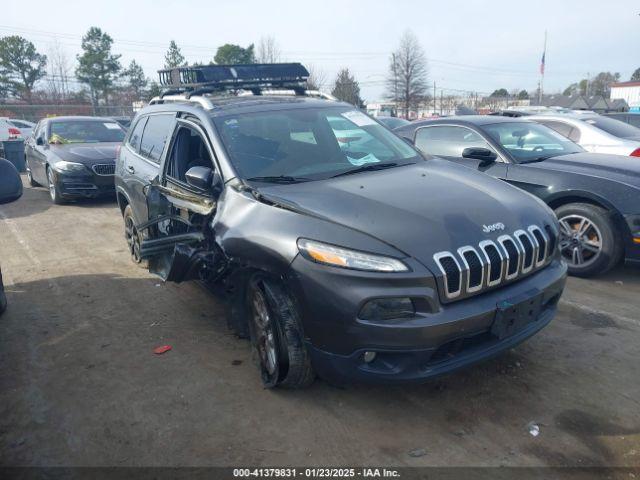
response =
{"points": [[217, 78]]}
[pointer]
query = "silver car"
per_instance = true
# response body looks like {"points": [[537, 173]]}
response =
{"points": [[8, 127], [595, 133]]}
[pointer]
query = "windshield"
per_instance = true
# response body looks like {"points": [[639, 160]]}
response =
{"points": [[85, 131], [309, 144], [528, 141], [614, 127]]}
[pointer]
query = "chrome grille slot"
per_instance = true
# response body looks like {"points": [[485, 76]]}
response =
{"points": [[542, 242], [452, 273], [527, 248], [104, 169], [552, 240], [474, 267], [512, 255], [494, 259]]}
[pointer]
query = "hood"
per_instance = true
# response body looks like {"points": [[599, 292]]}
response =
{"points": [[86, 153], [612, 167], [419, 209]]}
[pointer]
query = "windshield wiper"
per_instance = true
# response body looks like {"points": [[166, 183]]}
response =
{"points": [[279, 179], [541, 158], [369, 168]]}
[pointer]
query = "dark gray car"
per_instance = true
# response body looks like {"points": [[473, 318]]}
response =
{"points": [[595, 196], [74, 157], [341, 250]]}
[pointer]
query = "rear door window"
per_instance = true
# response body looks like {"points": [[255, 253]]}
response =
{"points": [[564, 129], [136, 135], [154, 138]]}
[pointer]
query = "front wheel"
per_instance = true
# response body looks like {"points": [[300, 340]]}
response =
{"points": [[54, 193], [132, 236], [589, 241], [277, 337]]}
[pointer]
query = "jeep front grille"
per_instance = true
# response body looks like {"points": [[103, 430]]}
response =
{"points": [[471, 269], [104, 169]]}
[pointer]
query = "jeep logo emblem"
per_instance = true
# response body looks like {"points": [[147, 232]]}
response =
{"points": [[493, 228]]}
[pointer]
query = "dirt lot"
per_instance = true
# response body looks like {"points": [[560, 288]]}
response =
{"points": [[79, 384]]}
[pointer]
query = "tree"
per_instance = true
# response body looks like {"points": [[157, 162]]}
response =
{"points": [[268, 50], [408, 74], [136, 81], [229, 54], [317, 78], [21, 66], [174, 58], [154, 90], [500, 93], [97, 66], [58, 73], [635, 77], [346, 88], [601, 83], [523, 95]]}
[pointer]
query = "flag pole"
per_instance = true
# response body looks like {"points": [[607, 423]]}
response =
{"points": [[542, 65]]}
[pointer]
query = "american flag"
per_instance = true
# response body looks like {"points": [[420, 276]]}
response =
{"points": [[542, 63]]}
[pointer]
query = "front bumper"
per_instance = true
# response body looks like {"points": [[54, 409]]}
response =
{"points": [[441, 338], [83, 184]]}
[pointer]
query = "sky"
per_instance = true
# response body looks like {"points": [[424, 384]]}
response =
{"points": [[470, 45]]}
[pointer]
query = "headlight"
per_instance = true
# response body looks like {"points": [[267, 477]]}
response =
{"points": [[69, 166], [342, 257]]}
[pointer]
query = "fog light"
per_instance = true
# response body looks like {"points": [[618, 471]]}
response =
{"points": [[387, 308], [369, 357]]}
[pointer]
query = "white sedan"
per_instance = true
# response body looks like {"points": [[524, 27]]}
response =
{"points": [[595, 133]]}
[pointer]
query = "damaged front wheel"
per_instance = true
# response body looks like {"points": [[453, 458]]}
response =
{"points": [[276, 335], [132, 236]]}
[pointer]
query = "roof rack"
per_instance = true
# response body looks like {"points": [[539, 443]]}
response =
{"points": [[196, 84], [219, 78]]}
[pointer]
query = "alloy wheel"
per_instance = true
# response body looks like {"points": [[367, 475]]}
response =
{"points": [[52, 186], [265, 333], [29, 177], [133, 239], [580, 240]]}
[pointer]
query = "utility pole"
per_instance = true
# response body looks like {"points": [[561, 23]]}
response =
{"points": [[434, 97]]}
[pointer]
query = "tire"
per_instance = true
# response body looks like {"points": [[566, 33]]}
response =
{"points": [[132, 236], [54, 193], [589, 240], [276, 336], [32, 182]]}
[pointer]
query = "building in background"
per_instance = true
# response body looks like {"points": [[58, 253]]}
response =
{"points": [[629, 92]]}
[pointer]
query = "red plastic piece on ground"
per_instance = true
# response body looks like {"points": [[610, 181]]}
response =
{"points": [[162, 349]]}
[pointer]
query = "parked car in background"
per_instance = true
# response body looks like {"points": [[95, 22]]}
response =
{"points": [[10, 191], [393, 122], [334, 263], [595, 133], [594, 196], [124, 121], [9, 131], [73, 156], [629, 117]]}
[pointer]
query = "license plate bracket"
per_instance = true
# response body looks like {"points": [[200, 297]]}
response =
{"points": [[514, 314]]}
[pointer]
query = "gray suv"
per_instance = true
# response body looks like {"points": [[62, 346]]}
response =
{"points": [[343, 252]]}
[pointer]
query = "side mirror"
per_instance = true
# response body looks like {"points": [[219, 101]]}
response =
{"points": [[485, 155], [203, 178], [10, 182]]}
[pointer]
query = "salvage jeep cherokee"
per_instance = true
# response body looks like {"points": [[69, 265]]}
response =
{"points": [[343, 251]]}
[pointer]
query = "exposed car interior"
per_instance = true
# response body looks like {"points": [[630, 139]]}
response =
{"points": [[189, 150]]}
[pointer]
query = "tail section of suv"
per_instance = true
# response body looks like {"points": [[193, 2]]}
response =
{"points": [[351, 257]]}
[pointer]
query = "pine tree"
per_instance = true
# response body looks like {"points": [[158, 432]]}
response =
{"points": [[174, 58]]}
